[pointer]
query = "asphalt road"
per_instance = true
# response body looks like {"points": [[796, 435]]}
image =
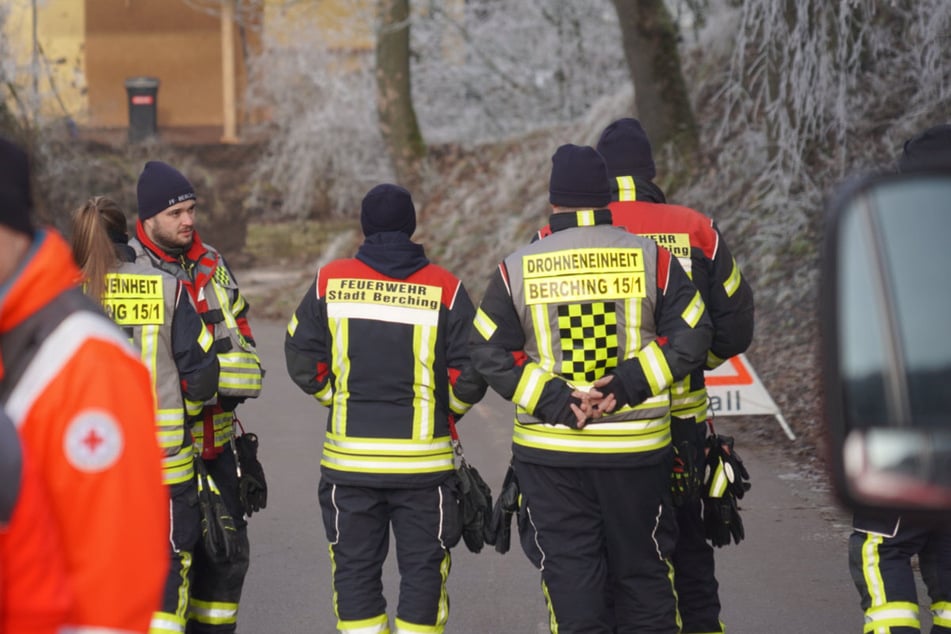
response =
{"points": [[789, 576]]}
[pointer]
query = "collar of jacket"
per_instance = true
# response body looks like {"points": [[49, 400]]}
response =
{"points": [[393, 254], [47, 270], [582, 218], [646, 190]]}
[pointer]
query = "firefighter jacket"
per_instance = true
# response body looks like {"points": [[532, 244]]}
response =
{"points": [[214, 291], [586, 301], [35, 597], [696, 242], [156, 313], [384, 345], [83, 404]]}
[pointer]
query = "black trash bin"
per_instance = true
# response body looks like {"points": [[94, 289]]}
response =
{"points": [[143, 107]]}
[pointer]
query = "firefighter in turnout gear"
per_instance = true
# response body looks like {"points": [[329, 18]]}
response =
{"points": [[697, 243], [156, 313], [381, 339], [166, 239], [882, 545], [82, 402], [585, 331]]}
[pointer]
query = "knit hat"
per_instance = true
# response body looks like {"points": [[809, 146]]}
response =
{"points": [[161, 186], [16, 200], [929, 150], [578, 178], [387, 207], [627, 150]]}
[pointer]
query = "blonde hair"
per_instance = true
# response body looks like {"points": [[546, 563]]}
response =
{"points": [[93, 249]]}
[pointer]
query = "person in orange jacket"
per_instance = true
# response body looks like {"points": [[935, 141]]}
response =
{"points": [[35, 597], [83, 405]]}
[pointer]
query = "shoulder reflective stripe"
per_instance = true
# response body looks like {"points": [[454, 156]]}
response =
{"points": [[694, 310], [55, 352], [530, 386], [292, 325], [626, 190], [732, 283], [484, 324], [655, 367]]}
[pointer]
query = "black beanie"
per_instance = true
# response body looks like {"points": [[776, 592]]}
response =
{"points": [[387, 207], [161, 186], [578, 178], [929, 150], [627, 150], [16, 201]]}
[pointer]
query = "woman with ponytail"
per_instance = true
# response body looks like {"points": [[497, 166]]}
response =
{"points": [[156, 313]]}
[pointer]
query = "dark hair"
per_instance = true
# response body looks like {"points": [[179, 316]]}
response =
{"points": [[93, 225]]}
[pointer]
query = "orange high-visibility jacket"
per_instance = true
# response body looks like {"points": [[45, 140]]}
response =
{"points": [[35, 597], [85, 411]]}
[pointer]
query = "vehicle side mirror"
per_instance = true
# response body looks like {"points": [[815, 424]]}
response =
{"points": [[885, 312]]}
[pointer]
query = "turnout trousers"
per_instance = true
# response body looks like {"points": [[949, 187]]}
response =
{"points": [[216, 586], [695, 578], [426, 523], [601, 539], [880, 555], [184, 535]]}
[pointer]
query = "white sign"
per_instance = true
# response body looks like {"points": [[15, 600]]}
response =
{"points": [[735, 390]]}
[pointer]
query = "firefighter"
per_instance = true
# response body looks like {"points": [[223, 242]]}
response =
{"points": [[585, 331], [697, 243], [882, 545], [82, 402], [382, 340], [35, 596], [156, 313], [166, 238]]}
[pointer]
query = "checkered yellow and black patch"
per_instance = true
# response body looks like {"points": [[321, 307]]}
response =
{"points": [[222, 277], [589, 345]]}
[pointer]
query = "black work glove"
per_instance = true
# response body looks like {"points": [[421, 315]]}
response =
{"points": [[616, 387], [252, 485], [565, 415], [475, 499], [725, 470], [218, 531], [499, 531], [722, 521], [684, 477]]}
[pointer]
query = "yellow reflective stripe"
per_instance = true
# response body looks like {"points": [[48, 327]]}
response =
{"points": [[941, 613], [456, 404], [405, 627], [626, 190], [239, 304], [484, 324], [718, 481], [374, 625], [292, 325], [398, 446], [874, 584], [541, 326], [552, 621], [732, 283], [694, 310], [205, 339], [687, 403], [713, 361], [193, 408], [213, 612], [424, 415], [656, 435], [341, 369], [225, 303], [386, 464], [223, 424], [148, 340], [632, 325], [655, 367], [585, 217], [180, 467], [882, 618], [530, 386], [325, 394], [166, 623]]}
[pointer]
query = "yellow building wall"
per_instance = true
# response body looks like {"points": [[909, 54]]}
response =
{"points": [[60, 29]]}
